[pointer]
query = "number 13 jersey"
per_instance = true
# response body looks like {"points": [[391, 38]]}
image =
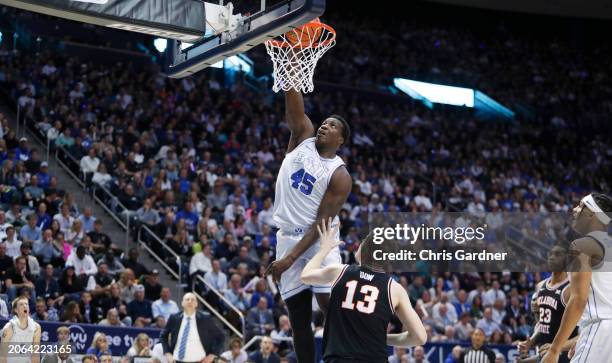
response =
{"points": [[360, 309], [302, 181]]}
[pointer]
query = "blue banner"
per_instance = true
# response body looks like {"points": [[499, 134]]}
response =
{"points": [[120, 339], [438, 352]]}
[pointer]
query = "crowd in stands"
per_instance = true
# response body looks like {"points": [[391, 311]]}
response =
{"points": [[195, 161]]}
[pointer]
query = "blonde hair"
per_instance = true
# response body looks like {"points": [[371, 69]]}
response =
{"points": [[97, 337], [16, 301], [135, 345]]}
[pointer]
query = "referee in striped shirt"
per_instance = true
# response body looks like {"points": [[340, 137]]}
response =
{"points": [[477, 353]]}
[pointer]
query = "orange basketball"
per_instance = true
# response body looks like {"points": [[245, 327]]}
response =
{"points": [[305, 35]]}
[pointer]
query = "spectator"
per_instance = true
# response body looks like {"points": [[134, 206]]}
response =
{"points": [[89, 163], [201, 262], [455, 355], [236, 294], [152, 286], [115, 267], [87, 220], [99, 346], [487, 325], [262, 291], [216, 278], [72, 313], [399, 355], [18, 278], [112, 319], [141, 347], [139, 309], [235, 354], [132, 263], [279, 336], [46, 285], [30, 232], [13, 245], [463, 328], [6, 262], [91, 314], [64, 219], [418, 355], [164, 306], [41, 313], [32, 263], [259, 320], [265, 354], [101, 241], [84, 265], [70, 283], [101, 177], [46, 250]]}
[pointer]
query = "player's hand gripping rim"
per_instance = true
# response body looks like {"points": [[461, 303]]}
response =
{"points": [[328, 235]]}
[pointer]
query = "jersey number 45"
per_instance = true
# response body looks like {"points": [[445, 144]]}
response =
{"points": [[303, 181]]}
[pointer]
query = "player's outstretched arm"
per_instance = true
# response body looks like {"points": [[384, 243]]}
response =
{"points": [[299, 124], [414, 332], [7, 334], [313, 274], [37, 334], [579, 294], [337, 191]]}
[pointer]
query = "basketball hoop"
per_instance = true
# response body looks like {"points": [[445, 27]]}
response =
{"points": [[296, 54]]}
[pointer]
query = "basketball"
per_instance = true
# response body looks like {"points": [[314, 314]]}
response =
{"points": [[305, 34]]}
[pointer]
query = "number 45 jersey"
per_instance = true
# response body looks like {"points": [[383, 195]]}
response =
{"points": [[302, 181], [360, 309]]}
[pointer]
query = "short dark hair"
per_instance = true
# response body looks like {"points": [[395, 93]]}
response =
{"points": [[346, 129]]}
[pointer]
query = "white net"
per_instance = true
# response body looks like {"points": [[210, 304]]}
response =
{"points": [[295, 61]]}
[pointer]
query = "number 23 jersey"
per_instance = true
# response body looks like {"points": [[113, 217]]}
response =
{"points": [[301, 184]]}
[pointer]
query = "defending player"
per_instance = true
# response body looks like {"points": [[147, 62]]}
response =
{"points": [[551, 297], [23, 330], [312, 185], [363, 300], [590, 284]]}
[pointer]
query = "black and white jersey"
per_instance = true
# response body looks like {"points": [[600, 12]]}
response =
{"points": [[481, 355], [360, 309]]}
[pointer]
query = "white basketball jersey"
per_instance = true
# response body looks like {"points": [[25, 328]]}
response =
{"points": [[599, 305], [21, 336], [302, 181]]}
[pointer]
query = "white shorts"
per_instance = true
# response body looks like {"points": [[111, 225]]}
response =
{"points": [[290, 282], [594, 342]]}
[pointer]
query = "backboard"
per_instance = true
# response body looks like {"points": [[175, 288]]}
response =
{"points": [[201, 33]]}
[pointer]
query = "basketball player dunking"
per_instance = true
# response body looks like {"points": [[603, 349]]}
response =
{"points": [[550, 298], [312, 185], [363, 300], [22, 330], [590, 301]]}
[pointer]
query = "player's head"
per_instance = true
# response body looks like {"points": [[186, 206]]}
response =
{"points": [[364, 254], [333, 133], [21, 307], [557, 258], [478, 338], [594, 212]]}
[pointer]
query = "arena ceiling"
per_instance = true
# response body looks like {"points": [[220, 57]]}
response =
{"points": [[574, 8]]}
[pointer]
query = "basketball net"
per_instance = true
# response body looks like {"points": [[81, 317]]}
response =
{"points": [[296, 54]]}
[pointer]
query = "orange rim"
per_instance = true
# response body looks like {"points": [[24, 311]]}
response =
{"points": [[313, 24]]}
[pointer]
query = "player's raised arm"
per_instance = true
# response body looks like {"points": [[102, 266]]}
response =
{"points": [[580, 285], [7, 334], [414, 332], [299, 124], [337, 191], [313, 274]]}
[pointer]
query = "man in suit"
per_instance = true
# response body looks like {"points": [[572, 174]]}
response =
{"points": [[186, 340], [260, 320]]}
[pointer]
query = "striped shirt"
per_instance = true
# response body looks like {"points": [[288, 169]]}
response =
{"points": [[482, 355]]}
